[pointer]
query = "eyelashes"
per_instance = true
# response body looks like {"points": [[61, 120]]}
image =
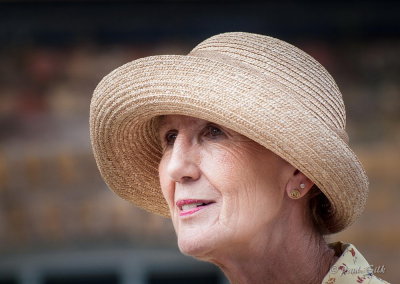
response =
{"points": [[170, 136], [210, 131], [214, 131]]}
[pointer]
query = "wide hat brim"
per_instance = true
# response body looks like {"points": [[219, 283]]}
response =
{"points": [[127, 103]]}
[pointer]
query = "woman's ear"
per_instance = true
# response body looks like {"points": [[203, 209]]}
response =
{"points": [[298, 185]]}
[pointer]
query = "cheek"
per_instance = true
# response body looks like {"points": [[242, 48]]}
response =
{"points": [[231, 169], [227, 170], [248, 181], [166, 185]]}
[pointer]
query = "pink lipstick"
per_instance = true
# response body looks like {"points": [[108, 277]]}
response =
{"points": [[190, 206]]}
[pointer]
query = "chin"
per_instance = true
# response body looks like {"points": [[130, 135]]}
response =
{"points": [[198, 246]]}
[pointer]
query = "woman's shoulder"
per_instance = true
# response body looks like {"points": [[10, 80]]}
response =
{"points": [[351, 267]]}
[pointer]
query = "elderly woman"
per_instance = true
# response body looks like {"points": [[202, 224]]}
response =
{"points": [[242, 143]]}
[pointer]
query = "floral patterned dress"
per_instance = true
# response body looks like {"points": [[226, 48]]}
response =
{"points": [[351, 267]]}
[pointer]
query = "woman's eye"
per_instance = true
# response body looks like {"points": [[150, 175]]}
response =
{"points": [[213, 131], [170, 137]]}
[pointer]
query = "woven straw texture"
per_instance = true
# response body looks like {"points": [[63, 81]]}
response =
{"points": [[259, 86]]}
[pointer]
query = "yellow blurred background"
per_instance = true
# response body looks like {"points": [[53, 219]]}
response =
{"points": [[58, 221]]}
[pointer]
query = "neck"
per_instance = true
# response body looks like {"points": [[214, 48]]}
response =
{"points": [[285, 257]]}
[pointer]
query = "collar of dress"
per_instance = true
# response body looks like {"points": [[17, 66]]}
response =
{"points": [[351, 267]]}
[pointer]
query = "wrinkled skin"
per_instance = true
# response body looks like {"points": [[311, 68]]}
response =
{"points": [[247, 187]]}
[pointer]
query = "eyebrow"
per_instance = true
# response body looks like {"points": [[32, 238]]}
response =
{"points": [[164, 124]]}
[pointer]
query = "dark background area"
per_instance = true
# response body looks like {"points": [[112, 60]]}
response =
{"points": [[55, 210], [59, 23]]}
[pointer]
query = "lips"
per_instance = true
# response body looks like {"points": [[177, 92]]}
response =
{"points": [[190, 206]]}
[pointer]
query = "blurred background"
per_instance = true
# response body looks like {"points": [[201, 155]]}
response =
{"points": [[58, 221]]}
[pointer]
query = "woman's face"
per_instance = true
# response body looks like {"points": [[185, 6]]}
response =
{"points": [[222, 188]]}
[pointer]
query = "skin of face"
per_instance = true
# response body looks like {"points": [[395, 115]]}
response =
{"points": [[245, 183]]}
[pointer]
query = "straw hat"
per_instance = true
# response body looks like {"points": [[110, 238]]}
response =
{"points": [[259, 86]]}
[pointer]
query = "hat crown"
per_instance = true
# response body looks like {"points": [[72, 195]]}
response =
{"points": [[300, 73]]}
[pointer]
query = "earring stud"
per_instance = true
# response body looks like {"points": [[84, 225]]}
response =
{"points": [[295, 194], [302, 185]]}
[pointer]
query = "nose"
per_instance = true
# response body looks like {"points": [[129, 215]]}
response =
{"points": [[183, 163]]}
